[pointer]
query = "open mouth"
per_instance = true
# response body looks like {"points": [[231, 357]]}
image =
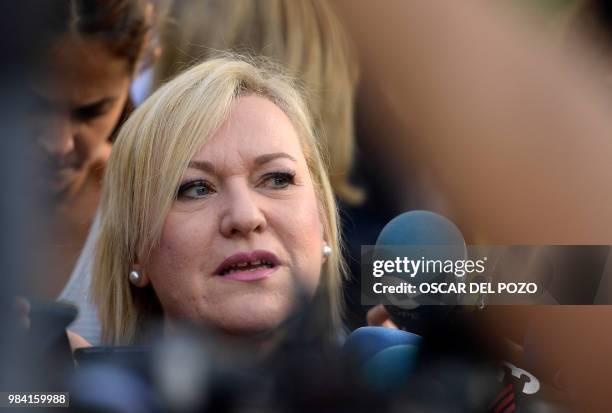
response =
{"points": [[246, 266]]}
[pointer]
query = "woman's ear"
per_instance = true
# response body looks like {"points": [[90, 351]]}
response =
{"points": [[137, 276]]}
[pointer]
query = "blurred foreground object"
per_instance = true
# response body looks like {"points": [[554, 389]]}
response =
{"points": [[511, 139]]}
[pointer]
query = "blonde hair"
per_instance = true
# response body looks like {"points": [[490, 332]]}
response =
{"points": [[304, 36], [148, 160]]}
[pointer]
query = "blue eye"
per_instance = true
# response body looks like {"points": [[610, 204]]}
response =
{"points": [[195, 190], [279, 180]]}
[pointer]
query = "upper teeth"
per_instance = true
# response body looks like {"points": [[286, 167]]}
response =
{"points": [[235, 267], [244, 264]]}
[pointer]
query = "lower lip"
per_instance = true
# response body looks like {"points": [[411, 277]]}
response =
{"points": [[253, 275]]}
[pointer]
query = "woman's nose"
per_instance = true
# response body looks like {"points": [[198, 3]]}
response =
{"points": [[58, 139], [242, 214]]}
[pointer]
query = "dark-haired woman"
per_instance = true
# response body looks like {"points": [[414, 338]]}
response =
{"points": [[81, 94]]}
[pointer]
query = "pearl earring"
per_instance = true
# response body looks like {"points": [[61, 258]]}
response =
{"points": [[327, 251], [135, 278]]}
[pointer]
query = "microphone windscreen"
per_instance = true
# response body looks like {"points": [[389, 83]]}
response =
{"points": [[386, 357], [390, 369], [428, 237], [423, 235], [420, 228], [365, 342]]}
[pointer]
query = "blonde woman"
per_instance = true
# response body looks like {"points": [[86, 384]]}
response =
{"points": [[216, 208]]}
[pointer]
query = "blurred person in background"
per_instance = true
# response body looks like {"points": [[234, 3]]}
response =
{"points": [[80, 95], [305, 37]]}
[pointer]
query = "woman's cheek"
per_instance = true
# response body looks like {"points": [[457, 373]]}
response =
{"points": [[175, 270], [304, 214], [304, 241]]}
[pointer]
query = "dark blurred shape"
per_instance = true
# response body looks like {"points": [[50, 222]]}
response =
{"points": [[106, 387], [598, 13], [46, 346], [24, 26]]}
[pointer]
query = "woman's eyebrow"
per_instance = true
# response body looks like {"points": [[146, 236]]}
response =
{"points": [[98, 103], [271, 156], [201, 165], [260, 160]]}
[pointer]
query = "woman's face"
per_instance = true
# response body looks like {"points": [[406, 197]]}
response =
{"points": [[77, 104], [244, 235]]}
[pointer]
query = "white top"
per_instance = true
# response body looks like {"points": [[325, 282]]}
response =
{"points": [[77, 291]]}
